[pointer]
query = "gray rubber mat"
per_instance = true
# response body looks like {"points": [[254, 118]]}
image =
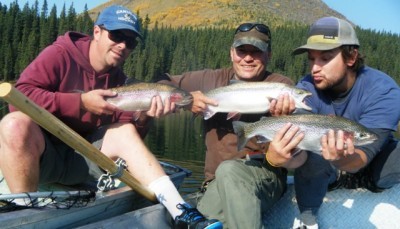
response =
{"points": [[343, 208]]}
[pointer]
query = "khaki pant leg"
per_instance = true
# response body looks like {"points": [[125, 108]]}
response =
{"points": [[242, 191]]}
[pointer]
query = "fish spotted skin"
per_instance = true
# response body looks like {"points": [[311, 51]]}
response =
{"points": [[251, 98], [314, 126], [138, 96]]}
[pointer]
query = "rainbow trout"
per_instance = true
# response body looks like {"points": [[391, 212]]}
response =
{"points": [[251, 98], [137, 96], [314, 126]]}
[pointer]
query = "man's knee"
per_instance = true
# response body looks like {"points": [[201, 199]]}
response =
{"points": [[233, 170], [227, 167], [121, 129], [24, 132], [20, 124]]}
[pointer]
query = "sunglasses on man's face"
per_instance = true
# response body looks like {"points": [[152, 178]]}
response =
{"points": [[118, 36], [259, 27]]}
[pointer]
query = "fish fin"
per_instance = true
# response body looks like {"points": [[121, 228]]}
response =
{"points": [[261, 139], [132, 80], [301, 111], [238, 128], [208, 114], [269, 99], [234, 116], [162, 77], [268, 102], [136, 115], [235, 81], [77, 91], [296, 152]]}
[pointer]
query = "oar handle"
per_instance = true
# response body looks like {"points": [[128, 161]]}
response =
{"points": [[56, 127]]}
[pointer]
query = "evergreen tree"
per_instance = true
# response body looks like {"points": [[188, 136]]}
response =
{"points": [[84, 23], [45, 35], [63, 22], [52, 24], [71, 18]]}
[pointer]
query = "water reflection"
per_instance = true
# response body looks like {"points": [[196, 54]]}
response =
{"points": [[178, 139]]}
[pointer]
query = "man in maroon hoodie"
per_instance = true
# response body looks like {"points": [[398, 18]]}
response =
{"points": [[92, 64]]}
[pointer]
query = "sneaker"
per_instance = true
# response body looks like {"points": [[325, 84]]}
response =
{"points": [[191, 218], [306, 220]]}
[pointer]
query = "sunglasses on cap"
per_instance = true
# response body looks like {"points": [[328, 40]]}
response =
{"points": [[245, 27], [118, 36]]}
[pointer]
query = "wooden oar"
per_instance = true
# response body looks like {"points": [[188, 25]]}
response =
{"points": [[56, 127]]}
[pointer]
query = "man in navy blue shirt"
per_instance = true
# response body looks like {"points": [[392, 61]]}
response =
{"points": [[342, 85]]}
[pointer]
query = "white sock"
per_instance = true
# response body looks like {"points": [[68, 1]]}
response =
{"points": [[167, 194], [25, 202]]}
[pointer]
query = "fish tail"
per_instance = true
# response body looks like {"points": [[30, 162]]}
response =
{"points": [[238, 128]]}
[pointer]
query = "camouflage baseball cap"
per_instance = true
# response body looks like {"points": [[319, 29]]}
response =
{"points": [[255, 34]]}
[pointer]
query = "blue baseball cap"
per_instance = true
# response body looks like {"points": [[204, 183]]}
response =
{"points": [[118, 17]]}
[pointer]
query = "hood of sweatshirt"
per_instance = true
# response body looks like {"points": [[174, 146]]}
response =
{"points": [[77, 45]]}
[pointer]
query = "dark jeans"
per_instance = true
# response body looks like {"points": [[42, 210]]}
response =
{"points": [[313, 177]]}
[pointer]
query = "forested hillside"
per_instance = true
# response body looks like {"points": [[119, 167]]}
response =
{"points": [[26, 30], [224, 13]]}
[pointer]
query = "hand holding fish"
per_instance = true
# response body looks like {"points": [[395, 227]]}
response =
{"points": [[284, 105], [93, 101], [335, 147], [159, 109], [200, 102], [284, 143]]}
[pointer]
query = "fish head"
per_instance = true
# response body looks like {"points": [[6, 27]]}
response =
{"points": [[180, 97], [299, 95], [364, 137]]}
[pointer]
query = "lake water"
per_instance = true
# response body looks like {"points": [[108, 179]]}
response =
{"points": [[178, 138]]}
